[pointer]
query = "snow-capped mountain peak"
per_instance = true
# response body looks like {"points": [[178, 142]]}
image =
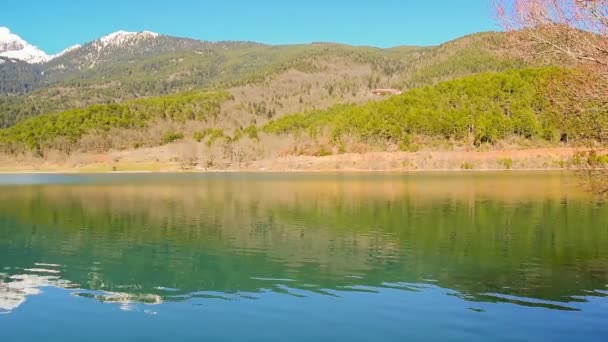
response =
{"points": [[123, 38], [12, 46]]}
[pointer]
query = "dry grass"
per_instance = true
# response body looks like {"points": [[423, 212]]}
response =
{"points": [[191, 156]]}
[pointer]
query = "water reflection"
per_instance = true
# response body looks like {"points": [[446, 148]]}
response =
{"points": [[532, 240], [17, 288]]}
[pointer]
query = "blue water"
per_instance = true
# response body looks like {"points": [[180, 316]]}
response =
{"points": [[245, 257]]}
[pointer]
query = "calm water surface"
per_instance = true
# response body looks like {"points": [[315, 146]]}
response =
{"points": [[293, 257]]}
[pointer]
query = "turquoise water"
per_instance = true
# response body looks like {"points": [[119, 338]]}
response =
{"points": [[302, 257]]}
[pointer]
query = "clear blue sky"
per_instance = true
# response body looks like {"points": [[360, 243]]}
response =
{"points": [[55, 24]]}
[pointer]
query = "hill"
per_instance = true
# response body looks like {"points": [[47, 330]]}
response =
{"points": [[64, 132], [146, 97], [125, 66], [486, 109]]}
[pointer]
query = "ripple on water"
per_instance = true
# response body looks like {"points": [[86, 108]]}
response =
{"points": [[46, 265], [42, 270], [530, 302], [393, 259]]}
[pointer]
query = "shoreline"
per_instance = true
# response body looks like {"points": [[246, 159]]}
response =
{"points": [[344, 171], [147, 161]]}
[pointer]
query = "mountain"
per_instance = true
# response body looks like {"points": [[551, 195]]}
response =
{"points": [[118, 47], [485, 109], [12, 46], [130, 65], [69, 49], [124, 38], [17, 77], [144, 97]]}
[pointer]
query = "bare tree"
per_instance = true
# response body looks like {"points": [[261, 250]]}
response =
{"points": [[575, 30], [572, 33], [566, 32]]}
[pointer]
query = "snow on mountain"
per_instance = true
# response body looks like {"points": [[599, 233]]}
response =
{"points": [[105, 47], [123, 38], [12, 46]]}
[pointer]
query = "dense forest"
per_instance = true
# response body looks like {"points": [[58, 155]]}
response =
{"points": [[70, 126], [487, 107]]}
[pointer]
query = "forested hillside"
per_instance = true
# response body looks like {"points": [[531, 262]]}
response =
{"points": [[64, 131], [153, 66], [477, 110], [485, 107]]}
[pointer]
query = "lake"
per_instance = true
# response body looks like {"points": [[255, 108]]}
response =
{"points": [[302, 257]]}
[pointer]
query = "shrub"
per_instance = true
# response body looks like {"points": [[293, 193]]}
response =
{"points": [[507, 163], [467, 166], [252, 132], [324, 151], [170, 137], [200, 135], [214, 134]]}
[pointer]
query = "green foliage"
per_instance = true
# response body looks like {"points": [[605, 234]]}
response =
{"points": [[507, 163], [17, 77], [201, 135], [467, 166], [71, 125], [407, 145], [590, 160], [252, 132], [237, 135], [214, 134], [462, 57], [170, 137], [324, 151], [485, 107]]}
